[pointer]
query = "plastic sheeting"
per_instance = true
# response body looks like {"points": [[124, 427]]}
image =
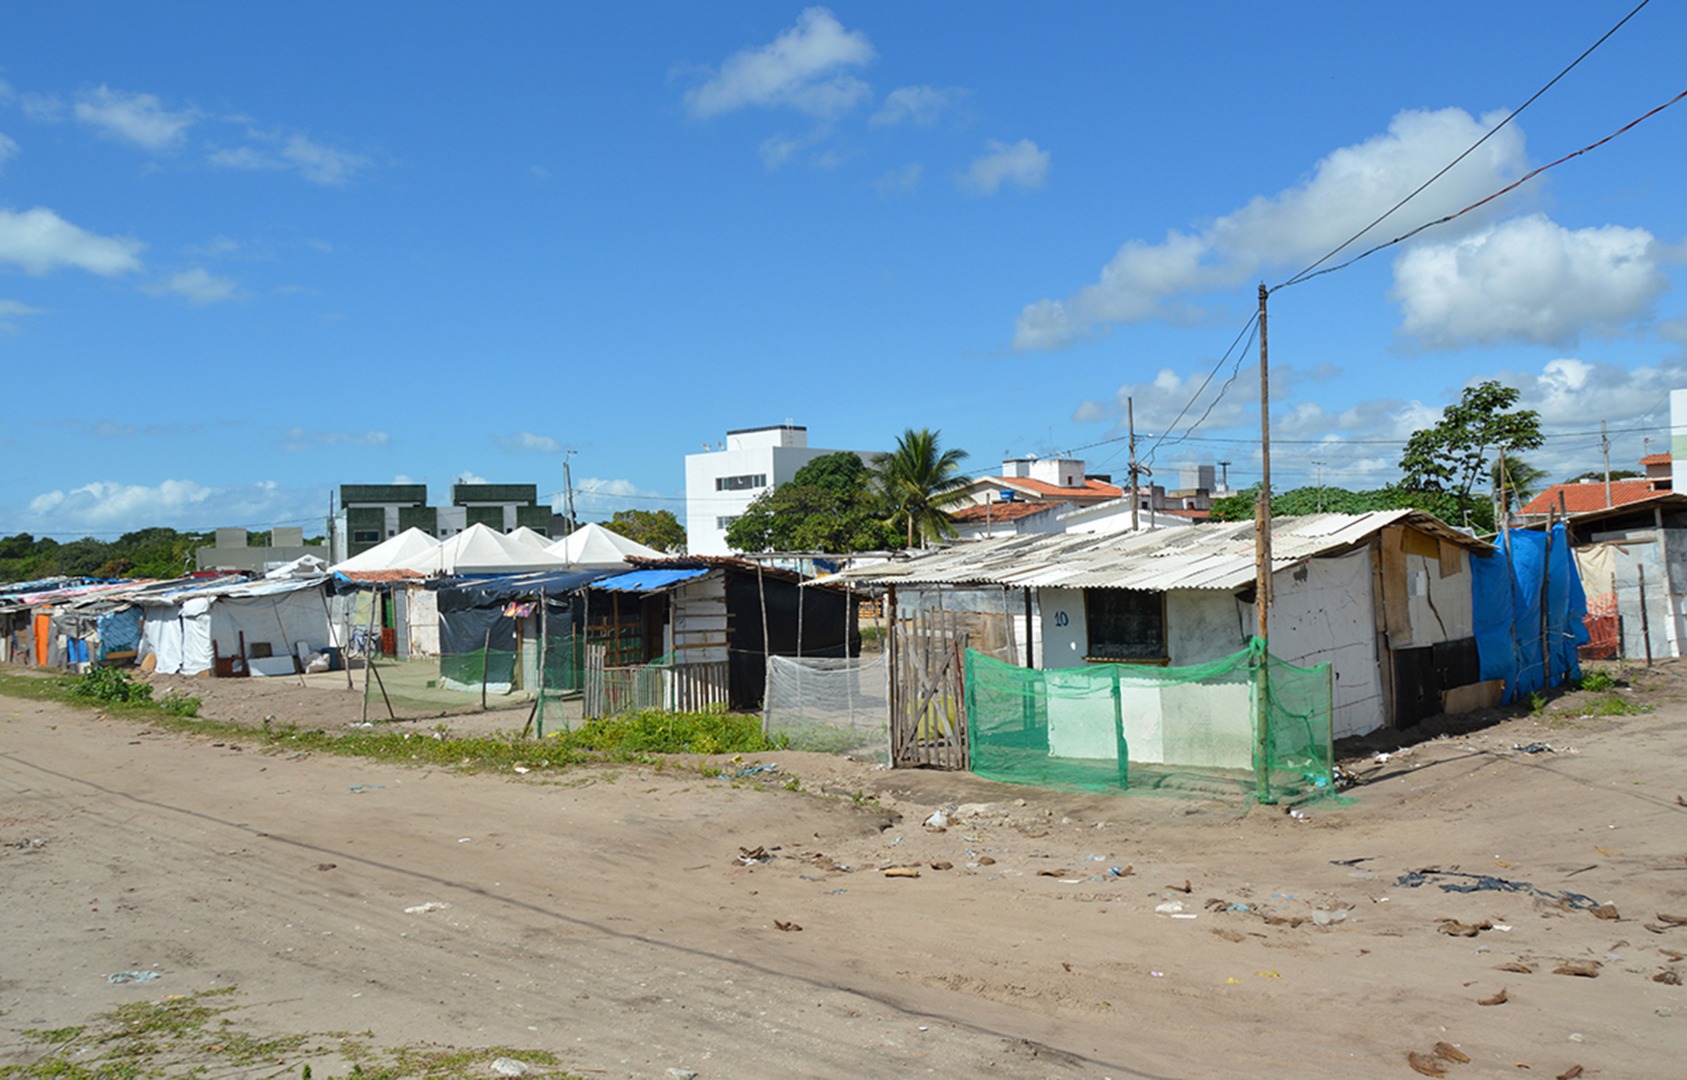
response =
{"points": [[1517, 639]]}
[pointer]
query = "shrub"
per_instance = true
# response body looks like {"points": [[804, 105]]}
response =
{"points": [[113, 685], [1598, 681], [653, 731]]}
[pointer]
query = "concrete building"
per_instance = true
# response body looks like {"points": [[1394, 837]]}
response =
{"points": [[371, 513], [232, 550], [721, 482]]}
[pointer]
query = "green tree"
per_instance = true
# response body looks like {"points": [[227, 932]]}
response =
{"points": [[1449, 457], [1301, 501], [1522, 481], [917, 481], [659, 529], [829, 505]]}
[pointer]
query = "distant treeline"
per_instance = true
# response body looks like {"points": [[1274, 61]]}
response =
{"points": [[145, 553]]}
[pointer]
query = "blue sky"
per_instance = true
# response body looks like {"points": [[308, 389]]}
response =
{"points": [[249, 253]]}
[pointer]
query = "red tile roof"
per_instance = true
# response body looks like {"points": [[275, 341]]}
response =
{"points": [[1580, 498], [1091, 491], [1655, 459], [999, 511]]}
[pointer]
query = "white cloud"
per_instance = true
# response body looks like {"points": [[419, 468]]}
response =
{"points": [[799, 69], [1345, 192], [316, 162], [197, 286], [40, 241], [900, 181], [921, 105], [527, 442], [140, 119], [109, 506], [8, 150], [297, 439], [468, 476], [1528, 279], [1021, 164], [15, 309], [598, 497]]}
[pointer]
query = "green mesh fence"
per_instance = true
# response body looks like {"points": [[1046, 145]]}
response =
{"points": [[1198, 729], [484, 678]]}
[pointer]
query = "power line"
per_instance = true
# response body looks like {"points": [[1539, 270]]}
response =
{"points": [[1308, 272]]}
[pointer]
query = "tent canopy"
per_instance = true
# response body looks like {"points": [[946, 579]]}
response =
{"points": [[592, 545], [529, 537], [390, 554], [480, 550]]}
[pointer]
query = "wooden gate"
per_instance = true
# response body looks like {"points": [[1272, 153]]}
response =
{"points": [[928, 724], [611, 691]]}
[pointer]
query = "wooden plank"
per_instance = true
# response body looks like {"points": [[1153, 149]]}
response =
{"points": [[1396, 614]]}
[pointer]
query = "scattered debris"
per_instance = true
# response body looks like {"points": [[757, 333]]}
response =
{"points": [[1606, 911], [1446, 1051], [752, 856], [357, 789], [1454, 928], [1185, 888], [1498, 999], [1536, 748], [1329, 918], [943, 864], [1672, 920], [1114, 871], [423, 909], [788, 927], [902, 871], [1170, 907], [1488, 883], [938, 821], [985, 860], [1228, 935], [682, 1074], [508, 1066], [1571, 1073], [1668, 976], [1521, 969], [1424, 1064], [752, 770], [34, 843], [117, 978], [326, 865], [1053, 873], [1586, 969]]}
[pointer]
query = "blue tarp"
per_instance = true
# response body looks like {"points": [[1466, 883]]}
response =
{"points": [[643, 581], [119, 631], [1512, 641]]}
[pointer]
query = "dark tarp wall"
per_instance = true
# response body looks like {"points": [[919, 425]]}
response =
{"points": [[476, 616], [828, 628]]}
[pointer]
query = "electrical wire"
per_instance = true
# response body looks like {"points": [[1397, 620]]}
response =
{"points": [[1308, 272], [1304, 276]]}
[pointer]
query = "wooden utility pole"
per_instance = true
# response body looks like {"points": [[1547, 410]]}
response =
{"points": [[1130, 421], [1502, 513], [1262, 575], [1605, 446]]}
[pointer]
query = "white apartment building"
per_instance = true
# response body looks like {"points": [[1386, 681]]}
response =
{"points": [[721, 483]]}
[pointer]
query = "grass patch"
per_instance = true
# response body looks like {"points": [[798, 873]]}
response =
{"points": [[711, 731], [193, 1035], [1598, 681], [635, 737], [1613, 705], [112, 689]]}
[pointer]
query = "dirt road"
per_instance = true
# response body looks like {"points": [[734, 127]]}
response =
{"points": [[606, 915]]}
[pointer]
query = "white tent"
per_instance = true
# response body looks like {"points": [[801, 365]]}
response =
{"points": [[593, 547], [390, 554], [480, 550], [529, 537], [187, 629]]}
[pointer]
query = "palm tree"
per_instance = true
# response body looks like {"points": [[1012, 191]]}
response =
{"points": [[917, 480], [1521, 480]]}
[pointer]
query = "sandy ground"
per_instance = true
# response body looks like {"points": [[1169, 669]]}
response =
{"points": [[604, 914]]}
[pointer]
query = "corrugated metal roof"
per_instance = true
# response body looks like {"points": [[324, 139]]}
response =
{"points": [[1215, 556], [647, 581]]}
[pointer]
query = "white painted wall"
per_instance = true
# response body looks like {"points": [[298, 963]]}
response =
{"points": [[776, 453]]}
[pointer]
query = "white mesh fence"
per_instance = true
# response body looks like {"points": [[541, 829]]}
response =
{"points": [[830, 705]]}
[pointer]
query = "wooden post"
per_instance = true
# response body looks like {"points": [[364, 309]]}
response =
{"points": [[1546, 614], [369, 658], [1030, 651], [1645, 629], [1672, 628], [892, 662], [1262, 573], [485, 666], [544, 654]]}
